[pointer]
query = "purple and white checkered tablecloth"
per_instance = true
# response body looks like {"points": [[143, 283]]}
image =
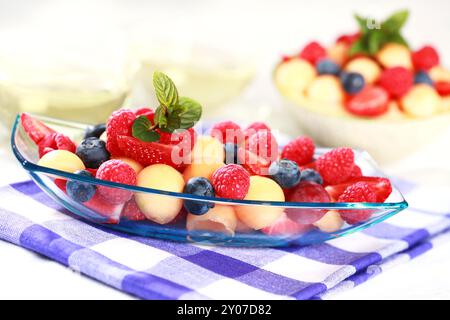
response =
{"points": [[156, 269]]}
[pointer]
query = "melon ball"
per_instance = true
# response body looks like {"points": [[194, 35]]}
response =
{"points": [[394, 55], [204, 170], [439, 73], [207, 150], [62, 160], [258, 217], [325, 88], [421, 101], [338, 53], [159, 208], [220, 218], [293, 77], [330, 222], [368, 68]]}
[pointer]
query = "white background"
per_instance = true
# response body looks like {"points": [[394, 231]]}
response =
{"points": [[260, 29]]}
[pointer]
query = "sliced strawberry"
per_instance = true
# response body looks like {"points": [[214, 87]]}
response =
{"points": [[61, 184], [443, 87], [55, 141], [132, 212], [184, 139], [284, 226], [252, 163], [148, 153], [348, 39], [35, 129], [370, 102], [356, 172], [381, 186], [105, 208]]}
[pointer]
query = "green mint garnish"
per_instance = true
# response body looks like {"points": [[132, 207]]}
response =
{"points": [[173, 112], [374, 36]]}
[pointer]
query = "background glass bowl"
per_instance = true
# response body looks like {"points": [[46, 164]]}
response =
{"points": [[26, 153], [387, 140]]}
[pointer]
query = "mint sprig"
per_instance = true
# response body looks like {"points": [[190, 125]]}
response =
{"points": [[173, 113], [374, 37]]}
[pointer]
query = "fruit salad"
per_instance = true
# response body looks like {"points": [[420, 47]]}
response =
{"points": [[372, 73], [160, 149]]}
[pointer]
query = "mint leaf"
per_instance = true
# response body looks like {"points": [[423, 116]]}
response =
{"points": [[165, 89], [397, 38], [141, 130], [396, 21], [173, 122], [362, 22], [190, 113], [374, 41], [358, 47], [160, 116]]}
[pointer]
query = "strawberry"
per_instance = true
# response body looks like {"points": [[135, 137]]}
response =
{"points": [[348, 39], [55, 141], [105, 208], [148, 153], [132, 212], [284, 226], [184, 139], [34, 128], [370, 102], [381, 186], [425, 58]]}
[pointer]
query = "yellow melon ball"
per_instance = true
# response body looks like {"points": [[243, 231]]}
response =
{"points": [[421, 101], [137, 167], [207, 150], [325, 88], [338, 53], [62, 160], [158, 208], [258, 217], [221, 218], [293, 77], [446, 104], [369, 69], [439, 73], [204, 170], [330, 222], [394, 55], [393, 112], [103, 136]]}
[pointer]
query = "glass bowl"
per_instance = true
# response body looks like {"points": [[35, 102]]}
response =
{"points": [[221, 227]]}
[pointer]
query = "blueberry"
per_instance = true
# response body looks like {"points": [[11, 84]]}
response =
{"points": [[423, 77], [92, 151], [352, 82], [201, 187], [231, 153], [311, 175], [81, 191], [327, 66], [285, 172], [95, 131]]}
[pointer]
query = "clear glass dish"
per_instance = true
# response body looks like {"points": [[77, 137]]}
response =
{"points": [[219, 232]]}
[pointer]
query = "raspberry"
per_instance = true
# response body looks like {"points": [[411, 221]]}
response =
{"points": [[132, 212], [105, 208], [231, 181], [116, 171], [55, 141], [358, 192], [119, 124], [284, 226], [227, 131], [397, 80], [300, 150], [256, 126], [425, 58], [264, 145], [443, 88], [148, 153], [254, 164], [336, 165], [313, 52]]}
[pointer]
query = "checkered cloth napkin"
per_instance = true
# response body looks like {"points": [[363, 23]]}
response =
{"points": [[155, 269]]}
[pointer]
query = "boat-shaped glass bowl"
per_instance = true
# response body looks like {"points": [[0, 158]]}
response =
{"points": [[219, 227]]}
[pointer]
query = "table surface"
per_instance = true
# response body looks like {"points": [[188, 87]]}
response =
{"points": [[26, 275]]}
